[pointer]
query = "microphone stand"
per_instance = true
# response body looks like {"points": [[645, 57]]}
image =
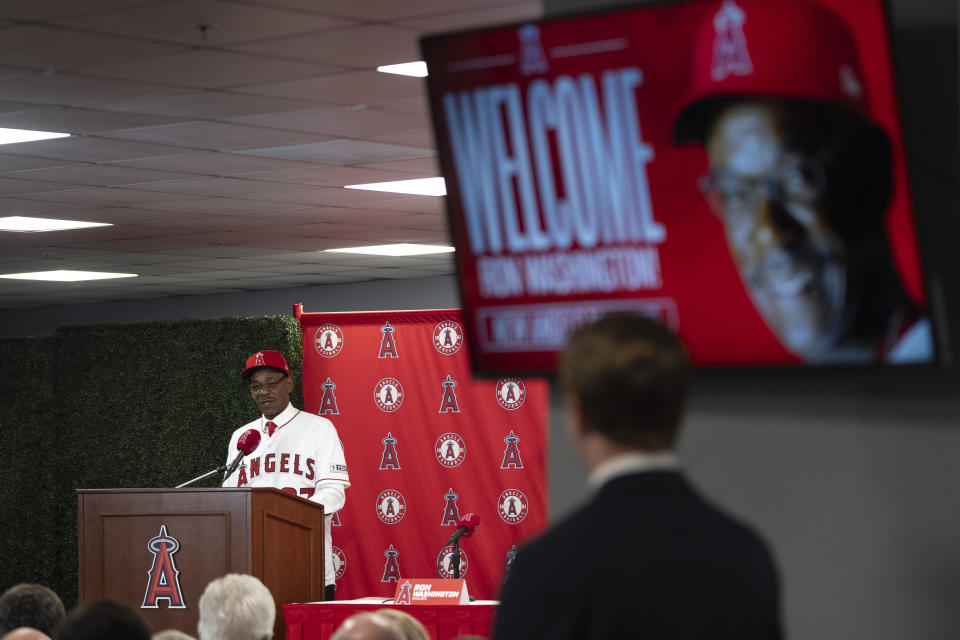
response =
{"points": [[220, 469], [455, 561]]}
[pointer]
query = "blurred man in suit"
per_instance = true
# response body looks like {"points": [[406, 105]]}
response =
{"points": [[236, 607], [30, 605], [647, 556]]}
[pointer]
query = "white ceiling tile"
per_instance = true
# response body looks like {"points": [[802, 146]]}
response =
{"points": [[419, 204], [333, 176], [355, 88], [39, 47], [73, 89], [213, 163], [384, 10], [99, 195], [422, 138], [80, 121], [382, 44], [341, 151], [90, 149], [227, 187], [47, 9], [516, 11], [13, 164], [12, 186], [209, 69], [426, 166], [337, 120], [208, 104], [202, 23], [218, 136], [226, 206], [97, 175]]}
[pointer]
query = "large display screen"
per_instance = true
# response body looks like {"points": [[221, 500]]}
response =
{"points": [[732, 167]]}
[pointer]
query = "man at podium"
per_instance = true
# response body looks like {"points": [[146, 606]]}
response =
{"points": [[298, 452]]}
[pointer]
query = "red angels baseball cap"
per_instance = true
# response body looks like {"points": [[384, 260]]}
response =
{"points": [[261, 359], [777, 49]]}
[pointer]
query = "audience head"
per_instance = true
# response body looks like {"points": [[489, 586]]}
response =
{"points": [[103, 620], [25, 633], [236, 607], [367, 626], [172, 634], [30, 605], [626, 377], [411, 628]]}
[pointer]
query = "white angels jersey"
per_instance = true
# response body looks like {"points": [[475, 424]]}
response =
{"points": [[304, 457]]}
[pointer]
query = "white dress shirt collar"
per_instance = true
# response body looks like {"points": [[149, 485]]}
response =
{"points": [[631, 462]]}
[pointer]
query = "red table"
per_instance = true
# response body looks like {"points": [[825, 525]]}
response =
{"points": [[318, 620]]}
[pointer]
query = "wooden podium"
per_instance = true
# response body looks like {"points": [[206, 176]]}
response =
{"points": [[144, 547]]}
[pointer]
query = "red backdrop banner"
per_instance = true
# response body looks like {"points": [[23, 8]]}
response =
{"points": [[425, 445]]}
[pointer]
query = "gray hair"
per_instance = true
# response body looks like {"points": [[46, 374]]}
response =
{"points": [[236, 607]]}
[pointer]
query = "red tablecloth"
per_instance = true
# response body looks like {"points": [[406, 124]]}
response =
{"points": [[317, 621]]}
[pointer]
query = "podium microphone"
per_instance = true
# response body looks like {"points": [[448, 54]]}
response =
{"points": [[248, 441], [466, 527], [246, 444]]}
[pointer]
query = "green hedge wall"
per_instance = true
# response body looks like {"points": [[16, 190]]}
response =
{"points": [[138, 405]]}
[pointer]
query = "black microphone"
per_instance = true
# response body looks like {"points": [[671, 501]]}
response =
{"points": [[466, 526], [248, 441]]}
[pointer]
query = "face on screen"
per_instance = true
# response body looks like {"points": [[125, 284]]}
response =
{"points": [[769, 199]]}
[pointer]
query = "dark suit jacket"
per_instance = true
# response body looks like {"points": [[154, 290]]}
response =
{"points": [[647, 558]]}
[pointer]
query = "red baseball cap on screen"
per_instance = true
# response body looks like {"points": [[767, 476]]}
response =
{"points": [[779, 49], [261, 359]]}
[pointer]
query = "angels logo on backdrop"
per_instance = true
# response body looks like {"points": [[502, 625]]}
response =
{"points": [[445, 562], [512, 506], [388, 394], [451, 514], [449, 402], [451, 450], [163, 579], [328, 340], [335, 521], [388, 346], [730, 55], [511, 393], [328, 403], [404, 596], [339, 561], [391, 568], [391, 506], [447, 337], [532, 57], [389, 459], [511, 455]]}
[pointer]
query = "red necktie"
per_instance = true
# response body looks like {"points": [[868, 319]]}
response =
{"points": [[271, 427]]}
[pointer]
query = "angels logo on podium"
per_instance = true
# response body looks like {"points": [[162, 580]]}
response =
{"points": [[404, 596], [163, 581]]}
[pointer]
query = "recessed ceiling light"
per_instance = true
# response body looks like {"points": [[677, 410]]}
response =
{"points": [[10, 136], [67, 276], [28, 225], [418, 187], [396, 250], [416, 69]]}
